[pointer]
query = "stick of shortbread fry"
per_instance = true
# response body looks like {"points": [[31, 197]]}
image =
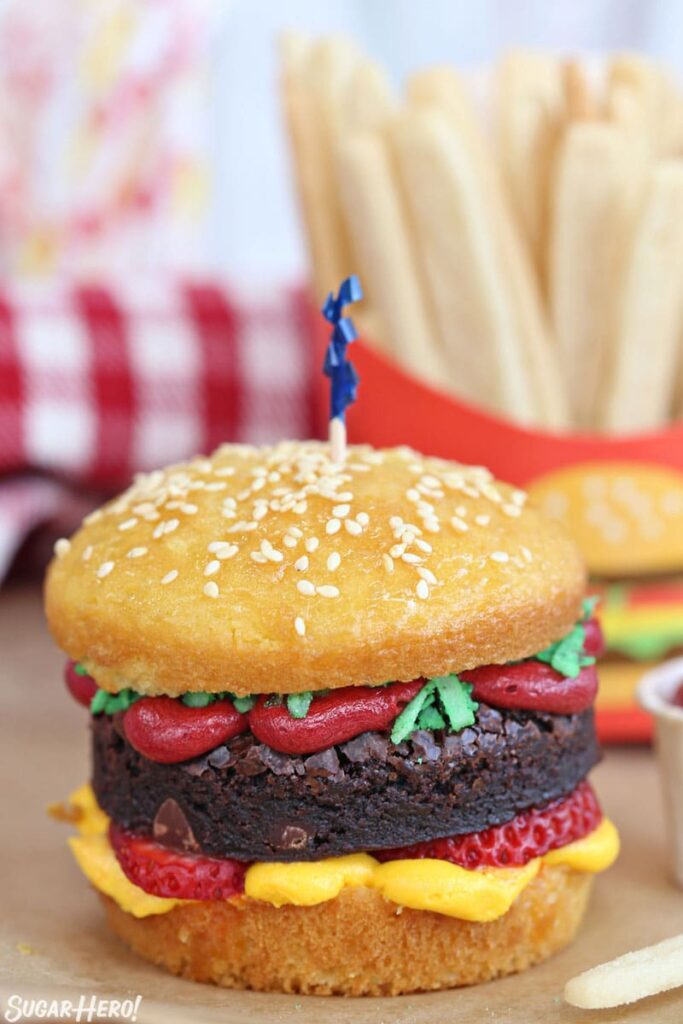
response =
{"points": [[375, 214], [529, 105], [597, 187], [386, 260], [639, 386], [463, 264], [314, 77], [580, 101], [644, 972], [442, 88]]}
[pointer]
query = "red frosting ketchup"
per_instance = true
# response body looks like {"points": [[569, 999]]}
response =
{"points": [[165, 730], [533, 686], [333, 718], [82, 688]]}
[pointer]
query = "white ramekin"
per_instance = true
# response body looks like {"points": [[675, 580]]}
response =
{"points": [[655, 693]]}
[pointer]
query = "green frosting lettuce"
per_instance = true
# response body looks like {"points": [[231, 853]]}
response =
{"points": [[110, 703], [443, 702], [566, 655], [299, 703]]}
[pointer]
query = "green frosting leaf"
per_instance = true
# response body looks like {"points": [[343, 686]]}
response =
{"points": [[406, 723], [99, 702], [566, 655], [443, 702], [299, 703], [243, 704], [431, 718], [80, 670], [110, 703], [198, 700], [456, 701]]}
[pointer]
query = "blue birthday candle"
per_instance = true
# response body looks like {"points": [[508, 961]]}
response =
{"points": [[342, 374]]}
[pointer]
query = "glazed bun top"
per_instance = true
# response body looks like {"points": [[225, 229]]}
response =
{"points": [[275, 570]]}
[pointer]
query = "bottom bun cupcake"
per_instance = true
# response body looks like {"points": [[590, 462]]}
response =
{"points": [[357, 944]]}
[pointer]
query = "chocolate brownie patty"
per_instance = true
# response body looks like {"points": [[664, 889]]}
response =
{"points": [[247, 801]]}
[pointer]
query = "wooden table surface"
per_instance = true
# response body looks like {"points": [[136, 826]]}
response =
{"points": [[53, 941]]}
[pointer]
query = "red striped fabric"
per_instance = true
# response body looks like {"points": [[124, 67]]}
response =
{"points": [[98, 382]]}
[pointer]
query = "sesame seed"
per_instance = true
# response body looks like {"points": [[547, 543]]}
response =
{"points": [[512, 510], [422, 589], [305, 587], [353, 527], [300, 507], [216, 545], [500, 556], [333, 561], [363, 518], [526, 554], [423, 545], [410, 558], [300, 626], [218, 485], [211, 589], [412, 494], [482, 520], [332, 526], [427, 575], [459, 524], [311, 544], [158, 531], [128, 524], [104, 569], [397, 550], [87, 553], [432, 525], [301, 564], [289, 542], [260, 513], [345, 496], [169, 577], [328, 591], [227, 552], [341, 510], [258, 556], [62, 547], [212, 567], [519, 497], [188, 508], [295, 532], [137, 552], [430, 481], [388, 563], [395, 522]]}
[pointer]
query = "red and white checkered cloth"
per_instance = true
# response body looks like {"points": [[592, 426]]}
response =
{"points": [[97, 383]]}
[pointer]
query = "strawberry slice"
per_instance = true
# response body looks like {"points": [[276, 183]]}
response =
{"points": [[514, 844], [173, 875]]}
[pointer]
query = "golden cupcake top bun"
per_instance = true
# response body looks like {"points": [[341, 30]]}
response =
{"points": [[275, 570], [626, 517]]}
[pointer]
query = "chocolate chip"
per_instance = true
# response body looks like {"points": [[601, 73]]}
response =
{"points": [[365, 747], [324, 763], [293, 837], [279, 764], [424, 745], [171, 828], [251, 763], [222, 757]]}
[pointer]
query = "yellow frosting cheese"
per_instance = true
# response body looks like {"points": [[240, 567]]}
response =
{"points": [[480, 894]]}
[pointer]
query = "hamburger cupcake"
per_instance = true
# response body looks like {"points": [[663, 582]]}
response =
{"points": [[341, 718]]}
